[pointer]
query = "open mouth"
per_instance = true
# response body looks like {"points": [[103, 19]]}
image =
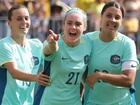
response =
{"points": [[72, 34], [111, 26], [24, 26]]}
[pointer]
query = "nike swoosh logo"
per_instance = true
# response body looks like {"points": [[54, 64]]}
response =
{"points": [[64, 58], [133, 66]]}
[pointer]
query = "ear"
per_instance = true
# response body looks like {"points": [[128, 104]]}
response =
{"points": [[9, 23]]}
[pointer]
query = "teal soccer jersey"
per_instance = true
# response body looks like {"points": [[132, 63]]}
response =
{"points": [[28, 59], [67, 67], [108, 57]]}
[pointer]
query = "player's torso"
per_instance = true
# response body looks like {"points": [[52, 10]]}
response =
{"points": [[28, 61]]}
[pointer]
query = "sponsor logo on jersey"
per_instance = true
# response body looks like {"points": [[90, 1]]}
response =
{"points": [[115, 59], [35, 60]]}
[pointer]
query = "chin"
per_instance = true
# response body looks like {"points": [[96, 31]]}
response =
{"points": [[111, 31], [25, 32]]}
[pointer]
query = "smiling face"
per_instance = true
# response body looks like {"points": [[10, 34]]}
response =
{"points": [[19, 22], [73, 27], [111, 20]]}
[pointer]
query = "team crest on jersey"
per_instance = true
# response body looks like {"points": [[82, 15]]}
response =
{"points": [[115, 59], [86, 59], [35, 60]]}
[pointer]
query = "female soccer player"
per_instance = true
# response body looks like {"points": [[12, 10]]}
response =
{"points": [[69, 57], [113, 63], [20, 60]]}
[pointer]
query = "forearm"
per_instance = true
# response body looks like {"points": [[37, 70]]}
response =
{"points": [[50, 49], [124, 79], [24, 76]]}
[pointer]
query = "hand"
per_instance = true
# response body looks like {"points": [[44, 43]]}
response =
{"points": [[53, 37], [92, 79], [43, 79], [53, 41]]}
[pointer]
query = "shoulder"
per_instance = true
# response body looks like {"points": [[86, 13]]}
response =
{"points": [[5, 42], [85, 38], [125, 38], [35, 42], [92, 35]]}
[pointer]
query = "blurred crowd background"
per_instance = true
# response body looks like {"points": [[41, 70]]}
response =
{"points": [[48, 14]]}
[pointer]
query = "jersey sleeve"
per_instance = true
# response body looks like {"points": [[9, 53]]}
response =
{"points": [[6, 54], [130, 52]]}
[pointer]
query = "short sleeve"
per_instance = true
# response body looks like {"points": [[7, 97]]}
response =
{"points": [[6, 54], [130, 52]]}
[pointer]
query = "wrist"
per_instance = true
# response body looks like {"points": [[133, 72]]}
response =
{"points": [[47, 50], [99, 76], [53, 48], [35, 78]]}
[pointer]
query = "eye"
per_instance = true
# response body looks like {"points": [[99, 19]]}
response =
{"points": [[19, 18], [78, 23], [22, 18], [69, 23], [26, 18], [117, 17], [109, 15]]}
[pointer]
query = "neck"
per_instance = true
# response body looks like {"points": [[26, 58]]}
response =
{"points": [[72, 43], [19, 39], [107, 37]]}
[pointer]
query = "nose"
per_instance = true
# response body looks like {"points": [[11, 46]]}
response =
{"points": [[74, 26], [24, 19], [113, 19]]}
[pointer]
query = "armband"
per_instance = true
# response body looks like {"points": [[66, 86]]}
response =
{"points": [[129, 65]]}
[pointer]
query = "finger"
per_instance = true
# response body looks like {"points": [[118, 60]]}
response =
{"points": [[43, 83], [43, 77], [55, 36], [41, 74], [50, 39], [51, 32]]}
